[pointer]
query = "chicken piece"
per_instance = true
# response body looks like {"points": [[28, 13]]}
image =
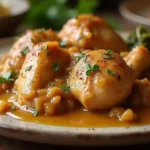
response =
{"points": [[138, 59], [46, 62], [89, 32], [23, 45], [12, 61], [141, 92], [101, 79]]}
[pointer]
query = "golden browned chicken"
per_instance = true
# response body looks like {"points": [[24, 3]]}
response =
{"points": [[138, 59], [101, 79], [38, 84], [11, 63], [91, 32]]}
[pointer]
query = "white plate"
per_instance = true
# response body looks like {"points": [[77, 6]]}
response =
{"points": [[40, 133]]}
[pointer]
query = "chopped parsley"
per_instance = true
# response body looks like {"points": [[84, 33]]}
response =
{"points": [[8, 77], [39, 40], [56, 67], [90, 69], [63, 43], [25, 51], [110, 72], [35, 113], [65, 88], [28, 68], [82, 55], [79, 38], [45, 47], [32, 40], [108, 54], [13, 107]]}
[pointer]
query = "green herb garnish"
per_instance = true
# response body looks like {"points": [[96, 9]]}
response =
{"points": [[35, 113], [8, 77], [28, 68], [25, 51], [56, 67], [110, 72], [65, 88], [108, 54], [82, 55], [48, 53], [80, 37], [90, 69], [63, 43], [13, 107]]}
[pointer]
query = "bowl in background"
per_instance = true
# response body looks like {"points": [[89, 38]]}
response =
{"points": [[18, 11], [136, 11]]}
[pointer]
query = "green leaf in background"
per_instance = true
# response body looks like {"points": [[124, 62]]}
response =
{"points": [[54, 13]]}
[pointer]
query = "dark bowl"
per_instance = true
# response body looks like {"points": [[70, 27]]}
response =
{"points": [[18, 11]]}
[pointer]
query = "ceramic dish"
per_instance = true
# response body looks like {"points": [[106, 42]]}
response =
{"points": [[111, 136], [18, 10], [136, 11]]}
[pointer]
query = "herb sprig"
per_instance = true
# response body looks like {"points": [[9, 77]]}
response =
{"points": [[90, 69], [108, 54]]}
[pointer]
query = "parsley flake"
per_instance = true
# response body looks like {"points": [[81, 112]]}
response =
{"points": [[63, 43], [65, 88], [108, 54], [48, 53], [8, 77], [35, 113], [112, 73], [90, 69], [13, 107], [82, 55], [79, 38], [25, 51], [28, 68], [56, 67]]}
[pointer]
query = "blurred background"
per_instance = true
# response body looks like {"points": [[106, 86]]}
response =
{"points": [[18, 15]]}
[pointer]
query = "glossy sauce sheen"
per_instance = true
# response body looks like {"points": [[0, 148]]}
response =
{"points": [[79, 118]]}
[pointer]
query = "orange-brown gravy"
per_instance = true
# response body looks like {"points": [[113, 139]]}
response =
{"points": [[79, 117]]}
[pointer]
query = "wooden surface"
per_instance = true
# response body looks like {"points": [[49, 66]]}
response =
{"points": [[11, 144]]}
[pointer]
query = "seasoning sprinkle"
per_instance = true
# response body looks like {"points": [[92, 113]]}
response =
{"points": [[119, 78], [48, 53]]}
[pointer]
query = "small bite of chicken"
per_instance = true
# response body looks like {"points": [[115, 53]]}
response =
{"points": [[138, 59], [101, 79], [45, 63], [87, 31]]}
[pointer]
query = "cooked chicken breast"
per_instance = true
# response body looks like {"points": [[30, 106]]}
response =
{"points": [[101, 79], [138, 59], [91, 32], [45, 63]]}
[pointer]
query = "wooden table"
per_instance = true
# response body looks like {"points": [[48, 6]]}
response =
{"points": [[11, 144]]}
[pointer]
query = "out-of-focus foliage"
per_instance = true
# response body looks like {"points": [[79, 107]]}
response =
{"points": [[141, 36], [54, 13]]}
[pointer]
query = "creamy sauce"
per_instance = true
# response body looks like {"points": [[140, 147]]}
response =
{"points": [[78, 118]]}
